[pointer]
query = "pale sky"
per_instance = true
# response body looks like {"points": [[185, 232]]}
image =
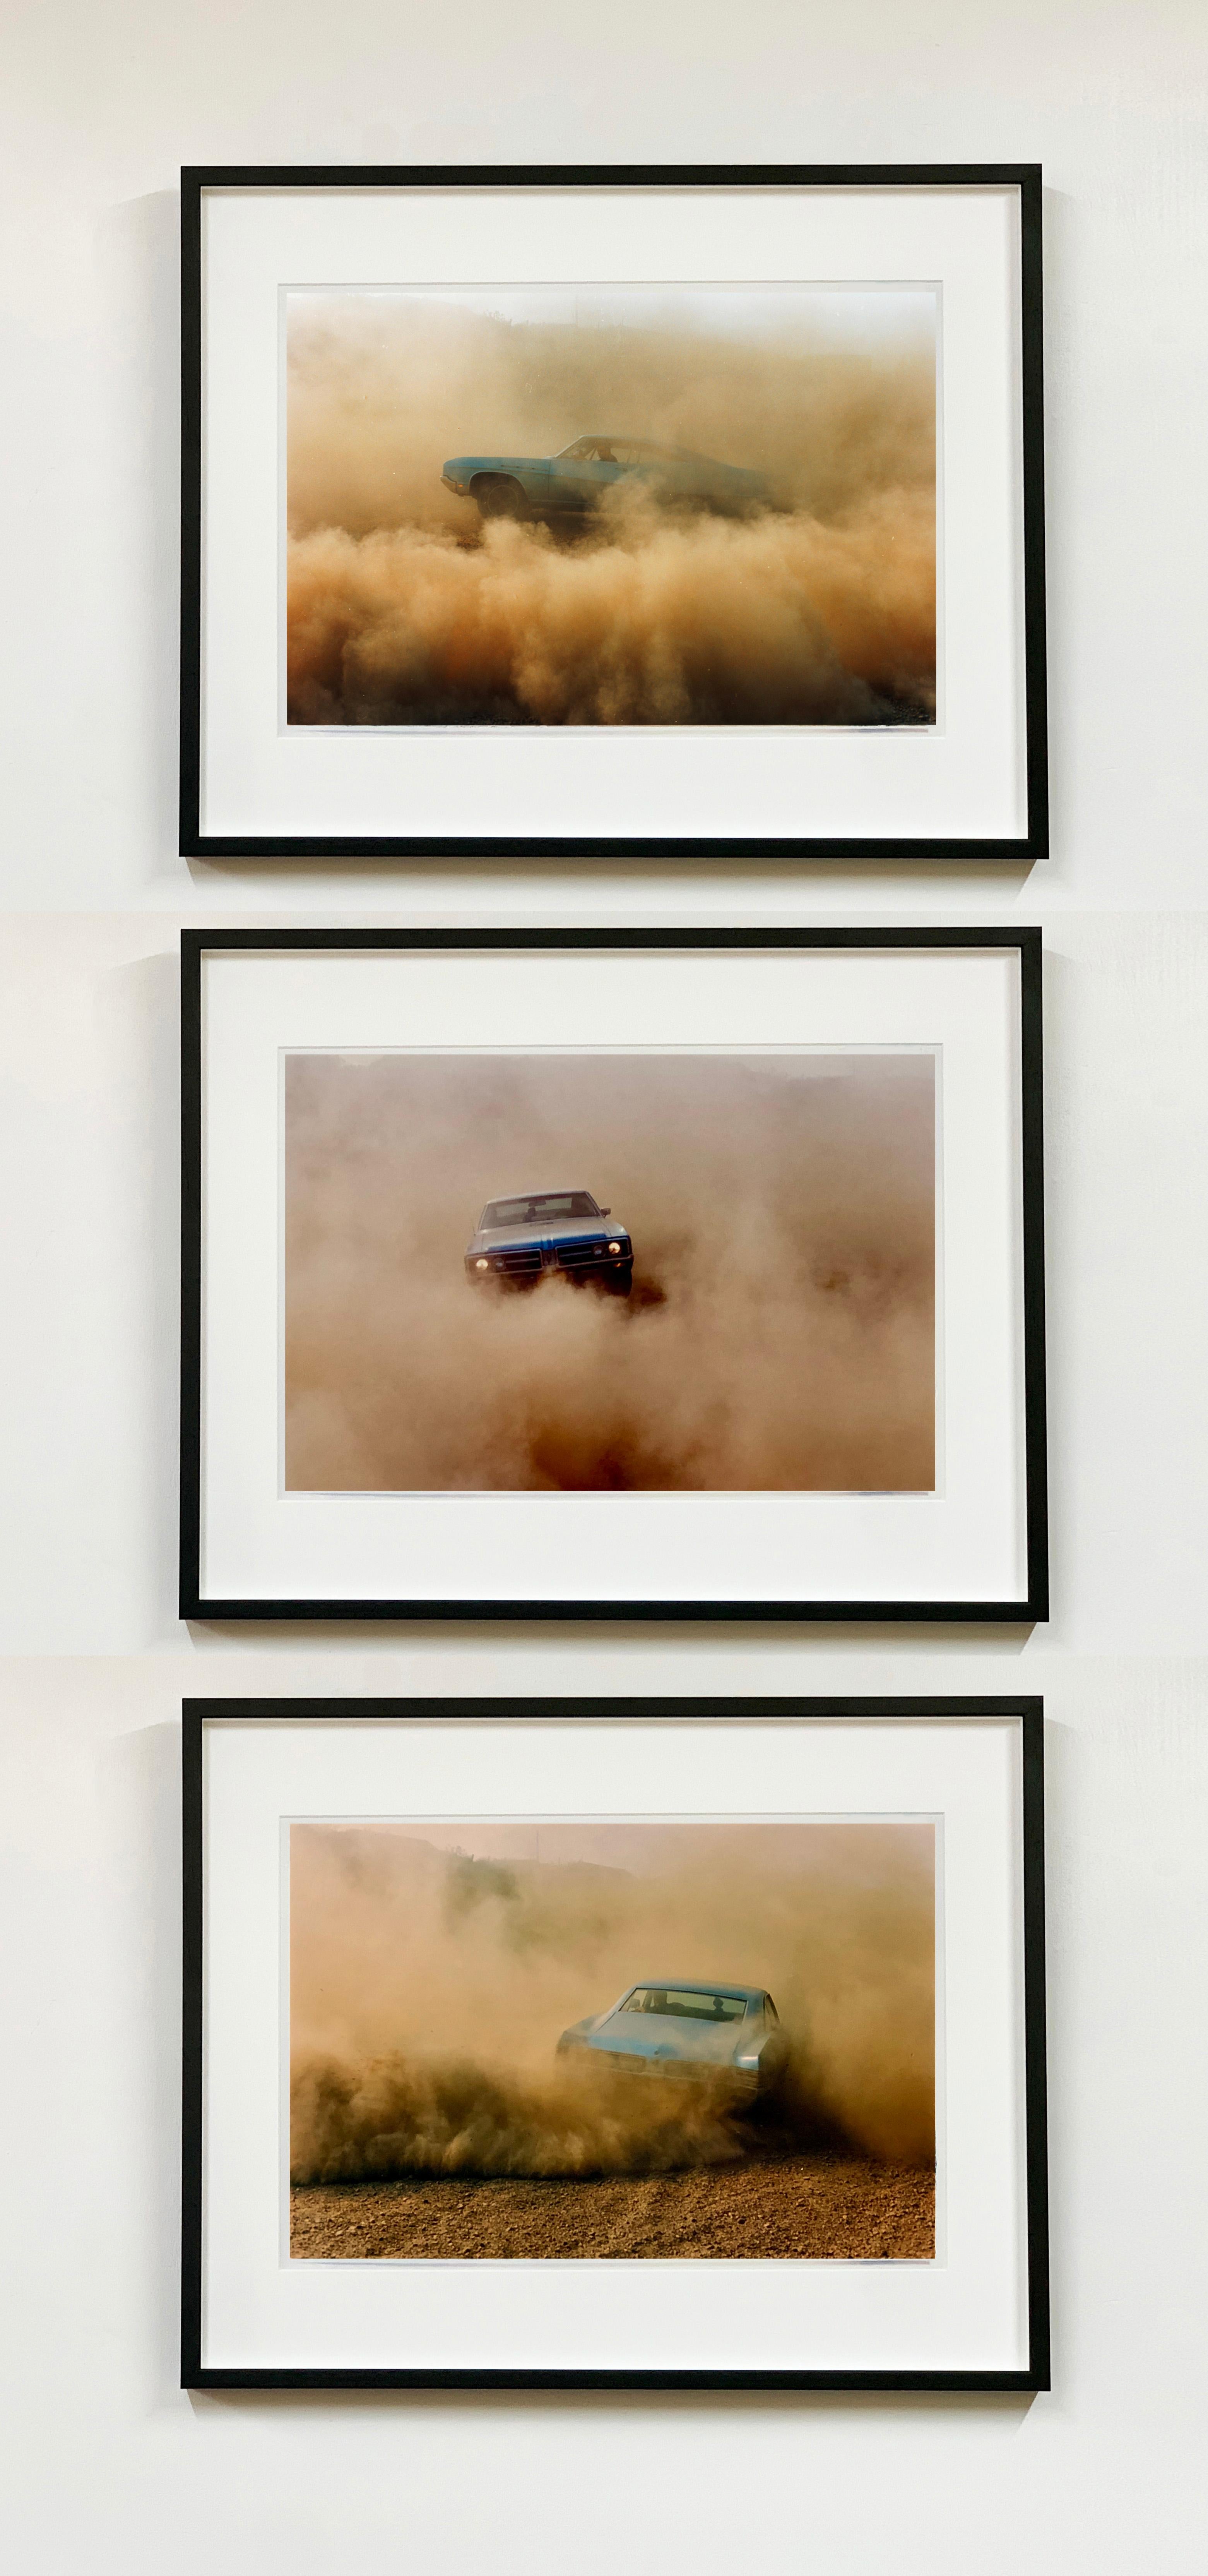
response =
{"points": [[629, 1843], [877, 318]]}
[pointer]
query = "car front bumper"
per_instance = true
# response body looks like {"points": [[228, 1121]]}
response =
{"points": [[738, 2080], [568, 1261]]}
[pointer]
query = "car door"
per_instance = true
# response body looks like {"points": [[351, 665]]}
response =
{"points": [[586, 472], [606, 465], [569, 487]]}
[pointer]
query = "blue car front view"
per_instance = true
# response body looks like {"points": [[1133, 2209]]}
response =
{"points": [[679, 2027], [549, 1233]]}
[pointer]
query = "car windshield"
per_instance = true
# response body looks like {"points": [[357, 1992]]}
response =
{"points": [[534, 1211], [686, 2003]]}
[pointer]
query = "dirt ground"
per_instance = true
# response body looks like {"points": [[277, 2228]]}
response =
{"points": [[777, 2204]]}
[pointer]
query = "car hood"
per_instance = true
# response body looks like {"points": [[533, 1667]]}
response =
{"points": [[463, 465], [670, 2035], [567, 1229]]}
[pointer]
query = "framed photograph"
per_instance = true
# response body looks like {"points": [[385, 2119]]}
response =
{"points": [[656, 2043], [600, 511], [614, 1275]]}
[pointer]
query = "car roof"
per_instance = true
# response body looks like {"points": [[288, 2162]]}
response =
{"points": [[694, 1986]]}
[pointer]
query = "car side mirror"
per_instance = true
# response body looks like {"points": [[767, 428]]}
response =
{"points": [[606, 1211]]}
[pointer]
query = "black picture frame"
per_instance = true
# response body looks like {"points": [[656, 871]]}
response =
{"points": [[1033, 1607], [1025, 848], [1033, 2379]]}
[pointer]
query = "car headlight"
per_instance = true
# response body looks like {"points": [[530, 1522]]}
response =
{"points": [[482, 1265], [614, 1247]]}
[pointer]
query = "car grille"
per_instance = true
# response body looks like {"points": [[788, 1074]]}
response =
{"points": [[517, 1265], [577, 1256], [625, 2061], [742, 2081]]}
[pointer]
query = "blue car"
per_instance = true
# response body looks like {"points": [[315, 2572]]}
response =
{"points": [[675, 2026], [576, 480], [519, 1241]]}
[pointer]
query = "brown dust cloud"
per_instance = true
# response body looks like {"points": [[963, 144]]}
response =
{"points": [[433, 1968], [781, 1330], [404, 609]]}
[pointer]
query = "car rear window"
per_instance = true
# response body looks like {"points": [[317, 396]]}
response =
{"points": [[685, 2004]]}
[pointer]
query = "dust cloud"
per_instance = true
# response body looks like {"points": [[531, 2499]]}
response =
{"points": [[403, 608], [781, 1330], [430, 1983]]}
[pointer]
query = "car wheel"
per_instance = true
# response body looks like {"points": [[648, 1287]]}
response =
{"points": [[498, 497], [619, 1283]]}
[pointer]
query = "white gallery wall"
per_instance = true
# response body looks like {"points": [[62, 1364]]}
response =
{"points": [[104, 2464]]}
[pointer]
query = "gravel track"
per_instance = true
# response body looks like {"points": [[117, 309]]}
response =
{"points": [[771, 2206]]}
